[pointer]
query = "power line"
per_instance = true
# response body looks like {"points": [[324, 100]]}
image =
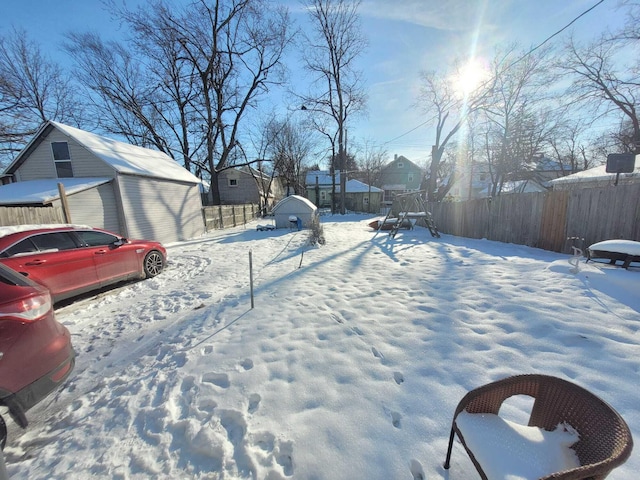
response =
{"points": [[510, 65]]}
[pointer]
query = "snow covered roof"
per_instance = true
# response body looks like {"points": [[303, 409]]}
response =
{"points": [[597, 174], [123, 157], [356, 186], [297, 199], [324, 179], [323, 176], [41, 192]]}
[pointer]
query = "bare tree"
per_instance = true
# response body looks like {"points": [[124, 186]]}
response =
{"points": [[372, 159], [33, 89], [518, 115], [292, 145], [603, 83], [191, 76], [333, 47], [449, 110]]}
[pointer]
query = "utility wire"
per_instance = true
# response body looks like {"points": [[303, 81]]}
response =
{"points": [[510, 65]]}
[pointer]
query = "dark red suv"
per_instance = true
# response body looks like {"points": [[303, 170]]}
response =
{"points": [[35, 350]]}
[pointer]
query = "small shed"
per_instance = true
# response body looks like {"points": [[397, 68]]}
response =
{"points": [[294, 206]]}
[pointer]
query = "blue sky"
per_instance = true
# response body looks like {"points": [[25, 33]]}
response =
{"points": [[405, 38]]}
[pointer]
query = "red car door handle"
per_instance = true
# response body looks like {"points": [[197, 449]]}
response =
{"points": [[36, 262], [100, 252]]}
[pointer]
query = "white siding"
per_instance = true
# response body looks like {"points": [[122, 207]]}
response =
{"points": [[96, 207], [40, 163], [160, 210]]}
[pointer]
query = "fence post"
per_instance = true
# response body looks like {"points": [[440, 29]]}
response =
{"points": [[251, 277]]}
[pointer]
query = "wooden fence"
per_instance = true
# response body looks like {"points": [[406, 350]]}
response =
{"points": [[215, 217], [30, 215], [225, 216], [546, 220]]}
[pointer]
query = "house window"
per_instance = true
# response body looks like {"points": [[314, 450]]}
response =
{"points": [[365, 200], [400, 165], [410, 177], [62, 159], [233, 182]]}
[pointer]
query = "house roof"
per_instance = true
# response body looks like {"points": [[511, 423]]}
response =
{"points": [[356, 186], [324, 179], [42, 192], [122, 157], [597, 174]]}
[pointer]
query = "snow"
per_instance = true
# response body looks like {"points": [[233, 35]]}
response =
{"points": [[45, 190], [598, 173], [130, 159], [8, 230], [512, 451], [350, 365], [628, 247]]}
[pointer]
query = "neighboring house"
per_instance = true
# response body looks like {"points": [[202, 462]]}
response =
{"points": [[130, 190], [596, 177], [294, 206], [359, 197], [242, 186], [400, 176], [479, 184]]}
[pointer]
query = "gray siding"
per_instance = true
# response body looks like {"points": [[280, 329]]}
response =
{"points": [[96, 207], [40, 163], [160, 210], [245, 192]]}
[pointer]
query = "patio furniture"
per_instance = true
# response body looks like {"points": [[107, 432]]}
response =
{"points": [[604, 442]]}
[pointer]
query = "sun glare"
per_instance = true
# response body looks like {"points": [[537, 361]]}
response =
{"points": [[470, 76]]}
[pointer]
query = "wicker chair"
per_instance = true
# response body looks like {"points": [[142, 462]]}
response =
{"points": [[605, 440]]}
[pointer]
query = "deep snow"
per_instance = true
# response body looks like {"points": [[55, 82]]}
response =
{"points": [[349, 366]]}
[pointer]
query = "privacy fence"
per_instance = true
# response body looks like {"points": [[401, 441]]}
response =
{"points": [[30, 215], [225, 216], [214, 217], [546, 220]]}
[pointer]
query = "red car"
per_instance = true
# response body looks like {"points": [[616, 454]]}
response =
{"points": [[35, 350], [70, 260]]}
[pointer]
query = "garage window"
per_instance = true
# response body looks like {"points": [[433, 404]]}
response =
{"points": [[233, 182], [62, 159]]}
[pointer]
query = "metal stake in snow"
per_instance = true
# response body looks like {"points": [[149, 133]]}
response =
{"points": [[251, 277]]}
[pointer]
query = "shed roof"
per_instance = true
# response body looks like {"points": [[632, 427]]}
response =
{"points": [[294, 199], [122, 157], [42, 192]]}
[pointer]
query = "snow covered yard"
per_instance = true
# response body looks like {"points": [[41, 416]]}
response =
{"points": [[350, 365]]}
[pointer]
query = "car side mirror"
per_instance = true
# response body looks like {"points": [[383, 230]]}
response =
{"points": [[119, 242]]}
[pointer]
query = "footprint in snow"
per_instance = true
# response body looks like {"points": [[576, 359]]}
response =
{"points": [[377, 353], [247, 364], [254, 402], [395, 419], [398, 377], [219, 379], [416, 470], [207, 350]]}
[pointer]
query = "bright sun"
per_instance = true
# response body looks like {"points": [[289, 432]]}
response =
{"points": [[469, 77]]}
